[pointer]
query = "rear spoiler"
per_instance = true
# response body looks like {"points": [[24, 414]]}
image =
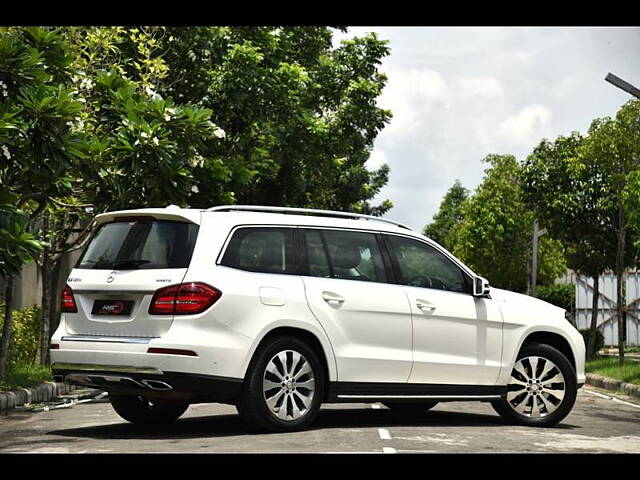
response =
{"points": [[169, 213]]}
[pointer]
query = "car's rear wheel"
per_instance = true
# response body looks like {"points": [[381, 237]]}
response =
{"points": [[283, 388], [144, 411], [410, 408], [542, 389]]}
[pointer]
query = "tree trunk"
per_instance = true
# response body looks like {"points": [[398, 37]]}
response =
{"points": [[54, 310], [619, 275], [591, 343], [46, 297], [7, 329]]}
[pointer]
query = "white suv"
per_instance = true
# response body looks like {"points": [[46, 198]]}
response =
{"points": [[277, 310]]}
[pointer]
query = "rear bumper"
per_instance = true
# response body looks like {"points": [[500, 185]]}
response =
{"points": [[150, 382]]}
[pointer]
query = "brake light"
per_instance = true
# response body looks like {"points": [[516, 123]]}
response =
{"points": [[183, 299], [68, 303]]}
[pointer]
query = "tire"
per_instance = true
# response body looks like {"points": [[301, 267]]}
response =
{"points": [[410, 408], [552, 389], [142, 411], [273, 397]]}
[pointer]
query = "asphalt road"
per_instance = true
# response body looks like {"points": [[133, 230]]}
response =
{"points": [[596, 424]]}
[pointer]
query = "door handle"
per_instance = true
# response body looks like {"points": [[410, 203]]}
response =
{"points": [[332, 299], [425, 307]]}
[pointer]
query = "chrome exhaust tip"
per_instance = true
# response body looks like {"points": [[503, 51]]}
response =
{"points": [[157, 385]]}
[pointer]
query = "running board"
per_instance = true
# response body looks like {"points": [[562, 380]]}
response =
{"points": [[368, 392]]}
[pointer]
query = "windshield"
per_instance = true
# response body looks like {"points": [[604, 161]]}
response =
{"points": [[140, 243]]}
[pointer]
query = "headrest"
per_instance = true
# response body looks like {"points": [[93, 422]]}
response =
{"points": [[347, 256]]}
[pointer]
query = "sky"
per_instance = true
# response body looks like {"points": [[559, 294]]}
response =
{"points": [[460, 93]]}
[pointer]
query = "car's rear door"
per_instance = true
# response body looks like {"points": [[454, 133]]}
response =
{"points": [[367, 320]]}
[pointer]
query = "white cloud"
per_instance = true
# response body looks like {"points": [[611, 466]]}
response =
{"points": [[480, 87], [527, 126], [458, 94]]}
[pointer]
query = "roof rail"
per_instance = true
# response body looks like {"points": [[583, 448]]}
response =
{"points": [[310, 211]]}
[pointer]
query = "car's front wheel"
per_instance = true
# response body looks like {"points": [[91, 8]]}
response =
{"points": [[144, 411], [542, 389]]}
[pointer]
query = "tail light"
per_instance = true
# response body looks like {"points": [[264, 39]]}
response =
{"points": [[68, 302], [183, 299]]}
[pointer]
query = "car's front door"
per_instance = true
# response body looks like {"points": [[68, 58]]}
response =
{"points": [[457, 338], [367, 320]]}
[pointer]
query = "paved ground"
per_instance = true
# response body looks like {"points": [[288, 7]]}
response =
{"points": [[597, 424]]}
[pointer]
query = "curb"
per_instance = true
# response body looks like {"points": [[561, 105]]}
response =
{"points": [[38, 394], [612, 384]]}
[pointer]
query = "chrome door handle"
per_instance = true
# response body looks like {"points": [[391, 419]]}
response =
{"points": [[332, 298], [425, 307]]}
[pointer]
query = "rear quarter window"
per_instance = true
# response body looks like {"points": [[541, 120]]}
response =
{"points": [[262, 249]]}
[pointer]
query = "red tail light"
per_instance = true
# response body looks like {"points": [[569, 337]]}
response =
{"points": [[68, 303], [183, 299]]}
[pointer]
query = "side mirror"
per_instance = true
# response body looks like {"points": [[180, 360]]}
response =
{"points": [[480, 287]]}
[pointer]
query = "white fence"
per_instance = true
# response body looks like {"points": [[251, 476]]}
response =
{"points": [[607, 319]]}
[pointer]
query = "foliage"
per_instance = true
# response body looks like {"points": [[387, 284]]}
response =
{"points": [[443, 229], [610, 367], [26, 332], [569, 195], [17, 245], [559, 294], [494, 238], [26, 375]]}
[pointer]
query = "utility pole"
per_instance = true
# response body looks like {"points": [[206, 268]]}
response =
{"points": [[537, 233]]}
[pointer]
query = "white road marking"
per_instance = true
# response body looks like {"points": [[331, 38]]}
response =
{"points": [[376, 406], [389, 450], [626, 403], [384, 434], [597, 394], [607, 397]]}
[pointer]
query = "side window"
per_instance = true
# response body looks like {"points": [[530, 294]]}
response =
{"points": [[423, 266], [265, 250], [354, 255]]}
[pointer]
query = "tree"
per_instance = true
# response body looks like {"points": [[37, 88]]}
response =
{"points": [[17, 247], [569, 194], [449, 216], [132, 116], [494, 237], [614, 146], [39, 147]]}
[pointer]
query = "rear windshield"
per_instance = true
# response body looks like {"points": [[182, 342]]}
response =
{"points": [[140, 244]]}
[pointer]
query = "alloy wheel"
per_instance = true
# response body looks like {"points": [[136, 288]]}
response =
{"points": [[288, 385], [537, 387]]}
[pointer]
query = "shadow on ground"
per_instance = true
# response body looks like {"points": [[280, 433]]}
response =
{"points": [[231, 425]]}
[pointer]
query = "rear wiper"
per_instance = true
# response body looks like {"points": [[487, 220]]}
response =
{"points": [[118, 264]]}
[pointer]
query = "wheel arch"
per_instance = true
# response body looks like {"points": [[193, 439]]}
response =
{"points": [[553, 339], [326, 358]]}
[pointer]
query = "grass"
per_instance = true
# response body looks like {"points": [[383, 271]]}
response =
{"points": [[26, 376], [610, 367]]}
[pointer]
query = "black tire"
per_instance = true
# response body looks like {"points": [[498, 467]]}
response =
{"points": [[410, 408], [504, 408], [143, 411], [252, 405]]}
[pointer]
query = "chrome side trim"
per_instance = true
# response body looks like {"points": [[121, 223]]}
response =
{"points": [[114, 292], [97, 338], [456, 397], [85, 367]]}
